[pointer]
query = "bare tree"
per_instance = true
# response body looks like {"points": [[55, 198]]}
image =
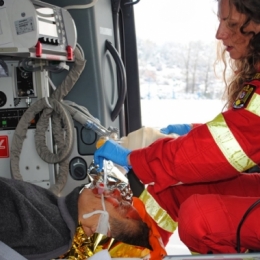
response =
{"points": [[196, 47], [186, 67]]}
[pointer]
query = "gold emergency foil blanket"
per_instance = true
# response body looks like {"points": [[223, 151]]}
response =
{"points": [[84, 247], [122, 250]]}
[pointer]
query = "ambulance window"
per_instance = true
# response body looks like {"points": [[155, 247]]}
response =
{"points": [[176, 51]]}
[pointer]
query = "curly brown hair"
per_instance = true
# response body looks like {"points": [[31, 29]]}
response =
{"points": [[244, 68]]}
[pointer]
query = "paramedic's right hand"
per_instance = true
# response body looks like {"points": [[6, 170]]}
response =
{"points": [[111, 151], [180, 129]]}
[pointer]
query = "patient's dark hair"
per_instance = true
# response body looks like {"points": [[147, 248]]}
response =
{"points": [[133, 232]]}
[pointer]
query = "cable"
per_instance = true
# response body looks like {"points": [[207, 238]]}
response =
{"points": [[81, 6], [84, 110], [62, 113], [132, 3], [81, 50], [88, 121], [242, 221], [52, 84]]}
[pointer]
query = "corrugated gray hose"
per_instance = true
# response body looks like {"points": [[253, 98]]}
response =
{"points": [[62, 128]]}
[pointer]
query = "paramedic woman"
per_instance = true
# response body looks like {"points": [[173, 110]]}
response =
{"points": [[200, 178]]}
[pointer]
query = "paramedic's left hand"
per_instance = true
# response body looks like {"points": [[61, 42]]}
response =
{"points": [[112, 151], [180, 129]]}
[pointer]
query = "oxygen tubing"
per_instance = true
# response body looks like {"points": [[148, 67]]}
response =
{"points": [[58, 113]]}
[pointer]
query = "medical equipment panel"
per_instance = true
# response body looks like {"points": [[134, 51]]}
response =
{"points": [[18, 90], [31, 28]]}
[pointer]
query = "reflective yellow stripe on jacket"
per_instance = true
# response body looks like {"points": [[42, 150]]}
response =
{"points": [[228, 144], [254, 104], [159, 215]]}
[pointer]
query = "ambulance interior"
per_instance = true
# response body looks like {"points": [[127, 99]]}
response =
{"points": [[85, 54]]}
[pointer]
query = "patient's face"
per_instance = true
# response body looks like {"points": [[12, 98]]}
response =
{"points": [[116, 204], [118, 209]]}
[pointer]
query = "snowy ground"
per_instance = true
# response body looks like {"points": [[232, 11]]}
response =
{"points": [[161, 112]]}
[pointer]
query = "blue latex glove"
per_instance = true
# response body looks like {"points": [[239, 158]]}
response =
{"points": [[180, 129], [112, 151]]}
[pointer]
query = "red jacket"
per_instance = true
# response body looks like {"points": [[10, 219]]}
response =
{"points": [[217, 150]]}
